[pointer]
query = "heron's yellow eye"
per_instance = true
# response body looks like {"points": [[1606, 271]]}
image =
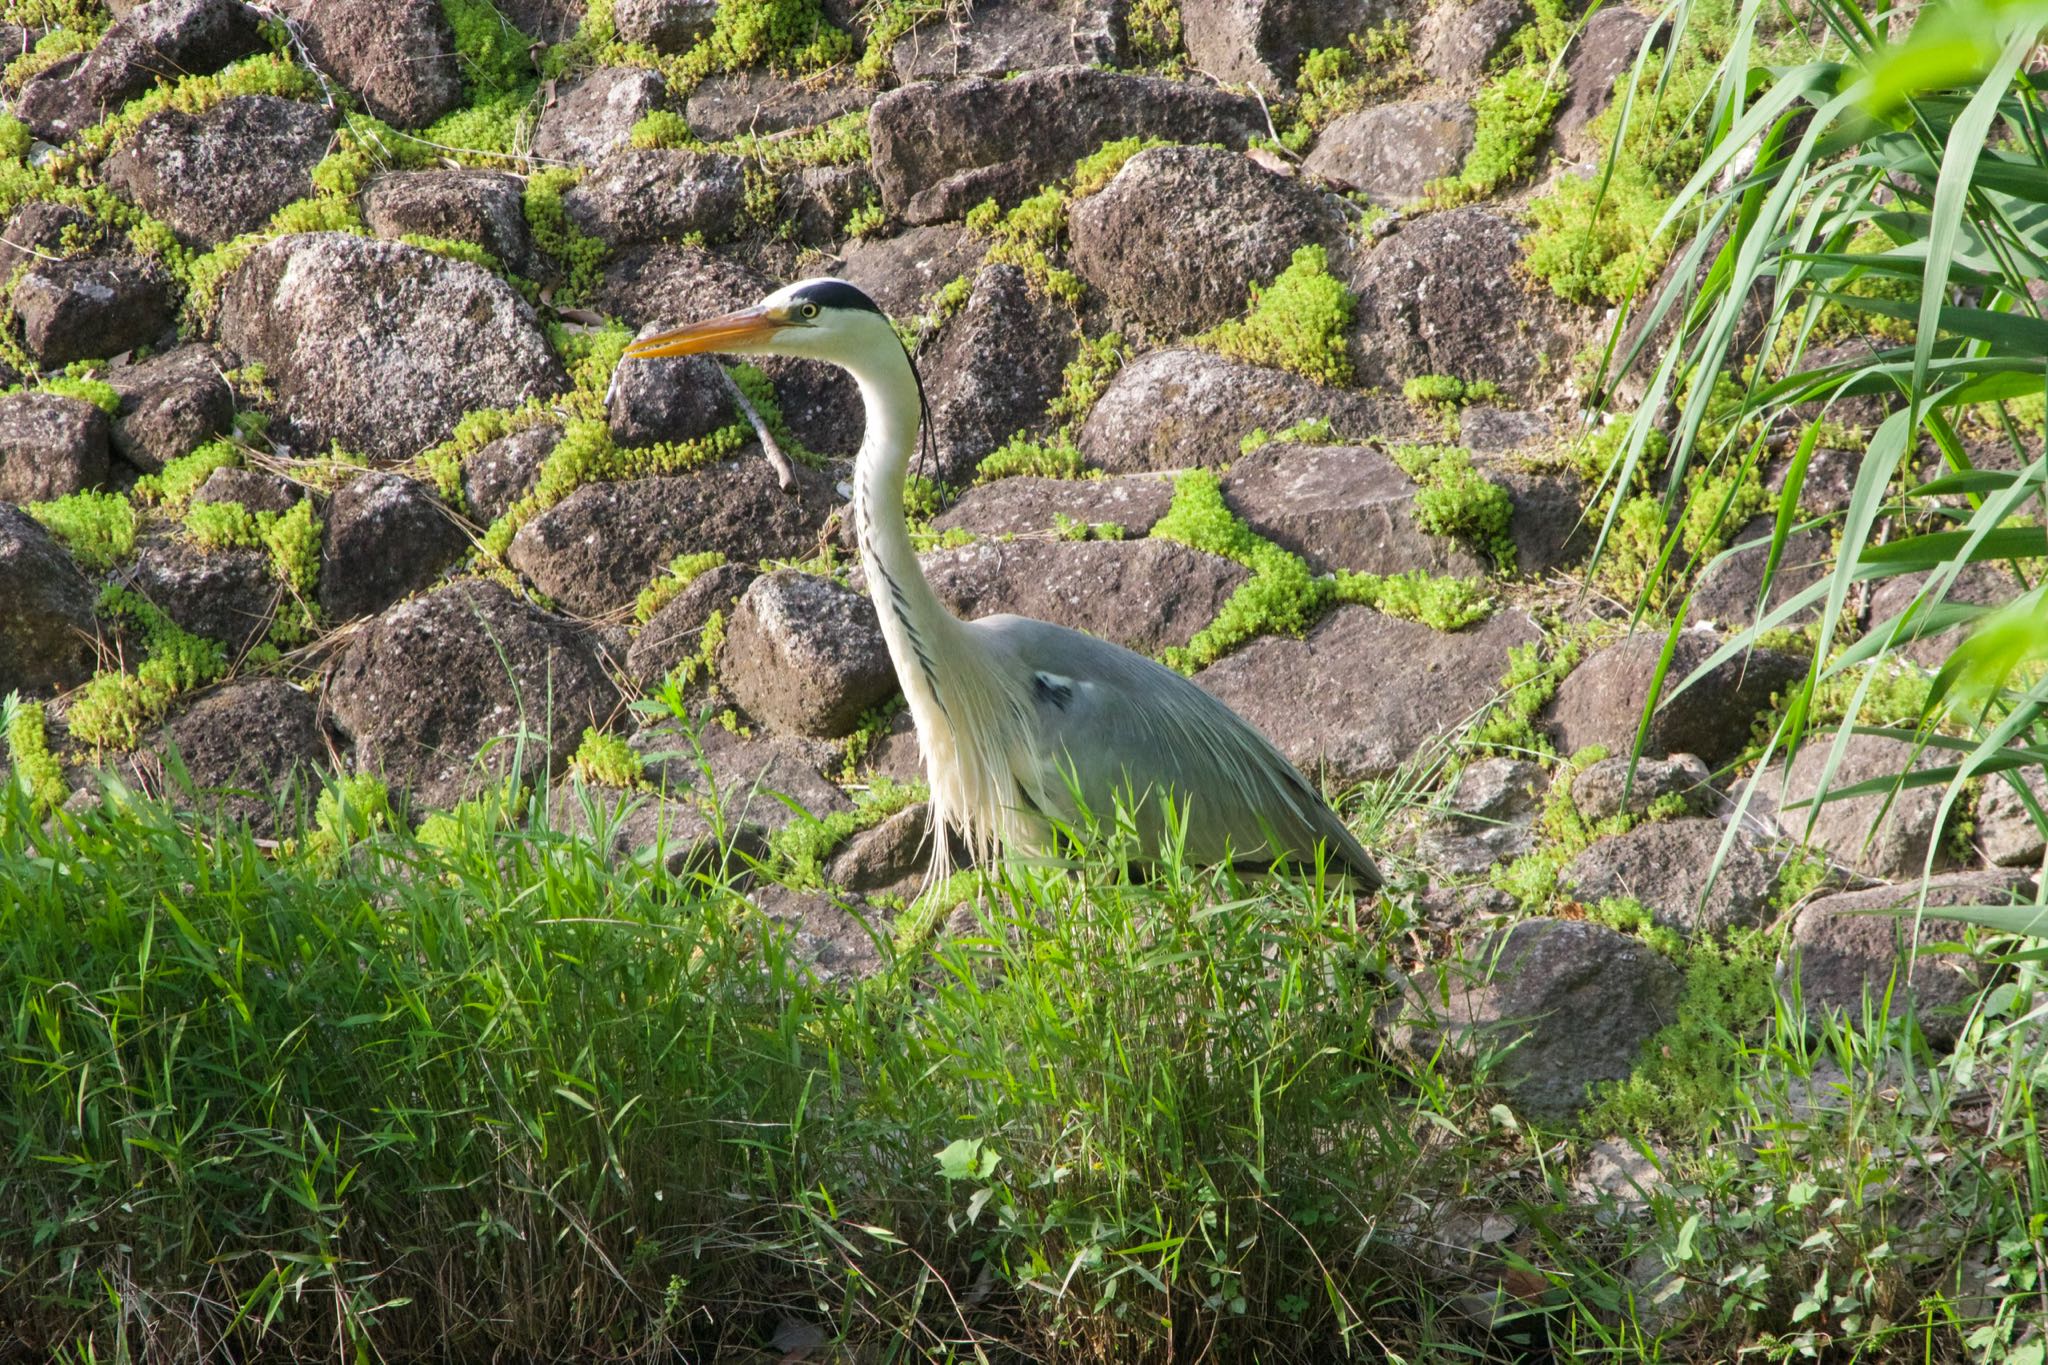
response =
{"points": [[810, 310]]}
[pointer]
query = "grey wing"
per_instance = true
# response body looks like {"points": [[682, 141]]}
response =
{"points": [[1125, 725]]}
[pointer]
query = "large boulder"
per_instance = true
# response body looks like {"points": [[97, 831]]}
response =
{"points": [[227, 594], [1664, 866], [670, 27], [47, 632], [1341, 507], [215, 174], [170, 403], [805, 655], [385, 536], [1441, 296], [1391, 151], [595, 550], [506, 470], [941, 149], [530, 684], [1146, 595], [902, 272], [1729, 588], [50, 445], [1602, 701], [1261, 42], [596, 114], [397, 56], [379, 345], [1488, 817], [1458, 43], [92, 306], [1562, 1005], [996, 366], [1608, 46], [168, 40], [675, 398], [634, 197], [1362, 693], [1030, 505], [1857, 947], [1012, 35], [485, 207], [761, 102], [1177, 409], [1181, 234], [247, 750], [1885, 834]]}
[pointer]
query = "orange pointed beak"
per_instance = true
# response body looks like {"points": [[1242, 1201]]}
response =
{"points": [[744, 330]]}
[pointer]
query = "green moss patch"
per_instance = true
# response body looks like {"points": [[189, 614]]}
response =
{"points": [[608, 761], [115, 709], [35, 770], [682, 571], [1512, 114], [1369, 67], [797, 852], [1055, 458], [1298, 322], [1455, 499], [97, 528]]}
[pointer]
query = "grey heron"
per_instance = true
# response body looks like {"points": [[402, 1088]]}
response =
{"points": [[1017, 717]]}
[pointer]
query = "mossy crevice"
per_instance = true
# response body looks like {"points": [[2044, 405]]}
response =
{"points": [[34, 768], [1454, 499], [1299, 322], [114, 709]]}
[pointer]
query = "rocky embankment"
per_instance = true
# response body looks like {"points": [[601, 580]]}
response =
{"points": [[314, 456]]}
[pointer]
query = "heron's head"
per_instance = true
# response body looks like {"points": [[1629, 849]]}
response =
{"points": [[820, 319]]}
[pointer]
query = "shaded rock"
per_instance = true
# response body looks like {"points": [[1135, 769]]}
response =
{"points": [[1604, 49], [166, 40], [805, 655], [525, 673], [941, 149], [675, 632], [1030, 505], [996, 367], [397, 56], [55, 103], [47, 631], [225, 171], [1487, 816], [1181, 234], [635, 197], [1486, 428], [670, 285], [1982, 585], [255, 491], [1362, 693], [1441, 297], [50, 446], [227, 595], [1011, 35], [1260, 42], [1851, 830], [386, 536], [1602, 701], [761, 102], [1840, 951], [550, 21], [43, 228], [1145, 595], [885, 857], [671, 27], [826, 930], [676, 399], [92, 306], [1547, 526], [1607, 788], [899, 273], [2006, 832], [1566, 1005], [382, 346], [754, 778], [1830, 478], [1458, 42], [1341, 507], [505, 471], [1390, 151], [1179, 408], [1729, 589], [249, 749], [596, 549], [485, 207], [817, 201], [1663, 865], [170, 403], [596, 114]]}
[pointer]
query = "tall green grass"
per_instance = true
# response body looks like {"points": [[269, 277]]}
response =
{"points": [[378, 1097]]}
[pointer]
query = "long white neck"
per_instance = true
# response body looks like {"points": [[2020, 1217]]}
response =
{"points": [[967, 710]]}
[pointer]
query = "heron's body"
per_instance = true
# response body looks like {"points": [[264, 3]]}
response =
{"points": [[1017, 717]]}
